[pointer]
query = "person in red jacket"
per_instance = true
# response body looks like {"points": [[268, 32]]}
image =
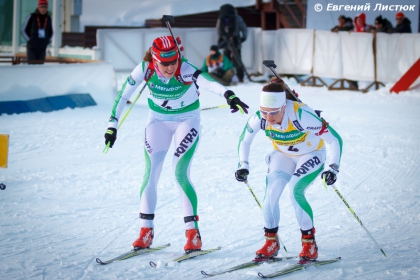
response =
{"points": [[360, 24], [37, 31]]}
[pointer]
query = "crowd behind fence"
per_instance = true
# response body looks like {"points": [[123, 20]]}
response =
{"points": [[337, 55], [371, 57]]}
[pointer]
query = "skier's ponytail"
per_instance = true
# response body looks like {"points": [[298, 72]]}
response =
{"points": [[148, 55]]}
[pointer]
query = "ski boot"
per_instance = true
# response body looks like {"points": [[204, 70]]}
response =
{"points": [[271, 246], [193, 241], [145, 239], [309, 249]]}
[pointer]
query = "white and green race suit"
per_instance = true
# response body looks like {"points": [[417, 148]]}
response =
{"points": [[174, 114], [297, 159]]}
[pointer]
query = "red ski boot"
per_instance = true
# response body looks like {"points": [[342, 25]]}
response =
{"points": [[309, 248], [271, 246], [193, 241], [145, 239]]}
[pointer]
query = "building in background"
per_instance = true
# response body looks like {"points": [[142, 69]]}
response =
{"points": [[72, 10], [65, 16], [76, 21], [6, 21]]}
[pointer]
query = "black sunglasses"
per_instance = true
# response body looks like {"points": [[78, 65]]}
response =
{"points": [[166, 64]]}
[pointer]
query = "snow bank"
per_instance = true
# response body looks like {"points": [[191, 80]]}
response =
{"points": [[25, 82]]}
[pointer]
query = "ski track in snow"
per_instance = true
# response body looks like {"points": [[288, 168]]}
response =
{"points": [[66, 203]]}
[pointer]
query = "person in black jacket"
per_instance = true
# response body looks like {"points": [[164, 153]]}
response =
{"points": [[383, 25], [403, 23], [232, 32], [37, 31], [344, 24]]}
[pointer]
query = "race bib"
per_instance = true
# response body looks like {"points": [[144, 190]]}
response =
{"points": [[41, 33]]}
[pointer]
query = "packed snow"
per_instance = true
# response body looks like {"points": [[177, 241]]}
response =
{"points": [[67, 203]]}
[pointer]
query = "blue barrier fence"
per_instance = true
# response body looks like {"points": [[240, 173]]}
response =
{"points": [[47, 104]]}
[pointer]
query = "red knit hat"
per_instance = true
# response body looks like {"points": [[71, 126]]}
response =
{"points": [[399, 15], [164, 49], [42, 2]]}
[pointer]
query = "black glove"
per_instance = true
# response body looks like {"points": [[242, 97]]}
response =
{"points": [[234, 101], [241, 174], [110, 136], [329, 176]]}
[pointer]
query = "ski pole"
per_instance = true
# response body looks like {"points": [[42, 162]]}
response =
{"points": [[125, 116], [258, 202], [354, 214], [271, 65], [252, 192], [222, 106], [215, 107]]}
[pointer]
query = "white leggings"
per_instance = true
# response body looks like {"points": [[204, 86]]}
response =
{"points": [[299, 172], [185, 130]]}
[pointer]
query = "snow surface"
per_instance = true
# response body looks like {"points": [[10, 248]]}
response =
{"points": [[67, 203]]}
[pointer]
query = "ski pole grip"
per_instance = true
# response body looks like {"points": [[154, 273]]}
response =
{"points": [[240, 109]]}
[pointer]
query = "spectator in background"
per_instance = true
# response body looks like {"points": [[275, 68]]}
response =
{"points": [[219, 67], [360, 24], [231, 32], [383, 25], [37, 31], [344, 24], [403, 23]]}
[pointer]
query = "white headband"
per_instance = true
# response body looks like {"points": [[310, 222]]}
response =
{"points": [[272, 99]]}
